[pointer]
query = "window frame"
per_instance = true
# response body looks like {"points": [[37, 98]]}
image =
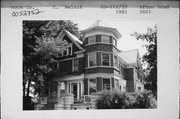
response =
{"points": [[106, 84], [89, 60], [102, 40], [88, 39], [89, 85], [73, 65], [116, 66], [103, 59]]}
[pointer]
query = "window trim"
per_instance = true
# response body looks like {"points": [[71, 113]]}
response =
{"points": [[67, 50], [73, 69], [102, 59], [108, 39], [115, 66], [95, 59], [88, 40], [109, 84], [89, 86]]}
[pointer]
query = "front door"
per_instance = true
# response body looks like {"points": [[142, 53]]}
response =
{"points": [[74, 90]]}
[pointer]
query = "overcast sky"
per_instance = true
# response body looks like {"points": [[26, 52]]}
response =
{"points": [[126, 28]]}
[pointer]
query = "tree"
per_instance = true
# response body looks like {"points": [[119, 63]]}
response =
{"points": [[150, 57], [39, 50]]}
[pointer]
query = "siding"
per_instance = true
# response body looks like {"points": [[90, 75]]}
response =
{"points": [[99, 70], [130, 80], [86, 86], [99, 47], [99, 84]]}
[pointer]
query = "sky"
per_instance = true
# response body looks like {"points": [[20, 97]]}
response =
{"points": [[126, 28]]}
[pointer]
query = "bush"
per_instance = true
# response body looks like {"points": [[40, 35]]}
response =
{"points": [[145, 99], [113, 100], [122, 100]]}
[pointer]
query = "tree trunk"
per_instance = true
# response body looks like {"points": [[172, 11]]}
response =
{"points": [[24, 89], [28, 88]]}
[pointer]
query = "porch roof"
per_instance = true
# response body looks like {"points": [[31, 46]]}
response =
{"points": [[70, 78]]}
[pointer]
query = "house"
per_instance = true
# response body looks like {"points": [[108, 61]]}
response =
{"points": [[94, 64]]}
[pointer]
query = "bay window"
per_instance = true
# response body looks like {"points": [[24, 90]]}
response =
{"points": [[92, 59], [105, 59], [105, 39], [91, 39], [92, 86], [115, 61], [106, 84]]}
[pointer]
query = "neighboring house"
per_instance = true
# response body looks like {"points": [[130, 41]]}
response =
{"points": [[94, 64]]}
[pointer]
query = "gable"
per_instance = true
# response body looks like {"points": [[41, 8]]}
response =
{"points": [[66, 35]]}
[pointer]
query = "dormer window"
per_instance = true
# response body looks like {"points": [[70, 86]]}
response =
{"points": [[105, 39], [92, 40]]}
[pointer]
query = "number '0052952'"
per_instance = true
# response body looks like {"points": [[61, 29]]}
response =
{"points": [[26, 13]]}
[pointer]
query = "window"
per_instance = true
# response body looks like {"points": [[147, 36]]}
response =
{"points": [[139, 88], [55, 65], [92, 40], [92, 60], [67, 51], [106, 84], [114, 42], [121, 70], [105, 39], [92, 86], [105, 59], [75, 65], [115, 61]]}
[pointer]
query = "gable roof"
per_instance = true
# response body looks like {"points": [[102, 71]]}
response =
{"points": [[131, 57], [72, 37]]}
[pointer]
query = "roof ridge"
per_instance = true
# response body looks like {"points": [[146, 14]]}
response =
{"points": [[129, 50]]}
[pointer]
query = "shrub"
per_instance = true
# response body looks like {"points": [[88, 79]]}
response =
{"points": [[145, 99], [122, 100], [113, 100]]}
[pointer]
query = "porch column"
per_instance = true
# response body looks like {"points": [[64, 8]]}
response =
{"points": [[77, 90], [59, 90]]}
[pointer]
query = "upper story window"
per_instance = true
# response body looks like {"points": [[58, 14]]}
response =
{"points": [[105, 39], [55, 65], [105, 59], [91, 59], [75, 65], [106, 84], [67, 51], [121, 70], [115, 61], [92, 86], [114, 42], [91, 39]]}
